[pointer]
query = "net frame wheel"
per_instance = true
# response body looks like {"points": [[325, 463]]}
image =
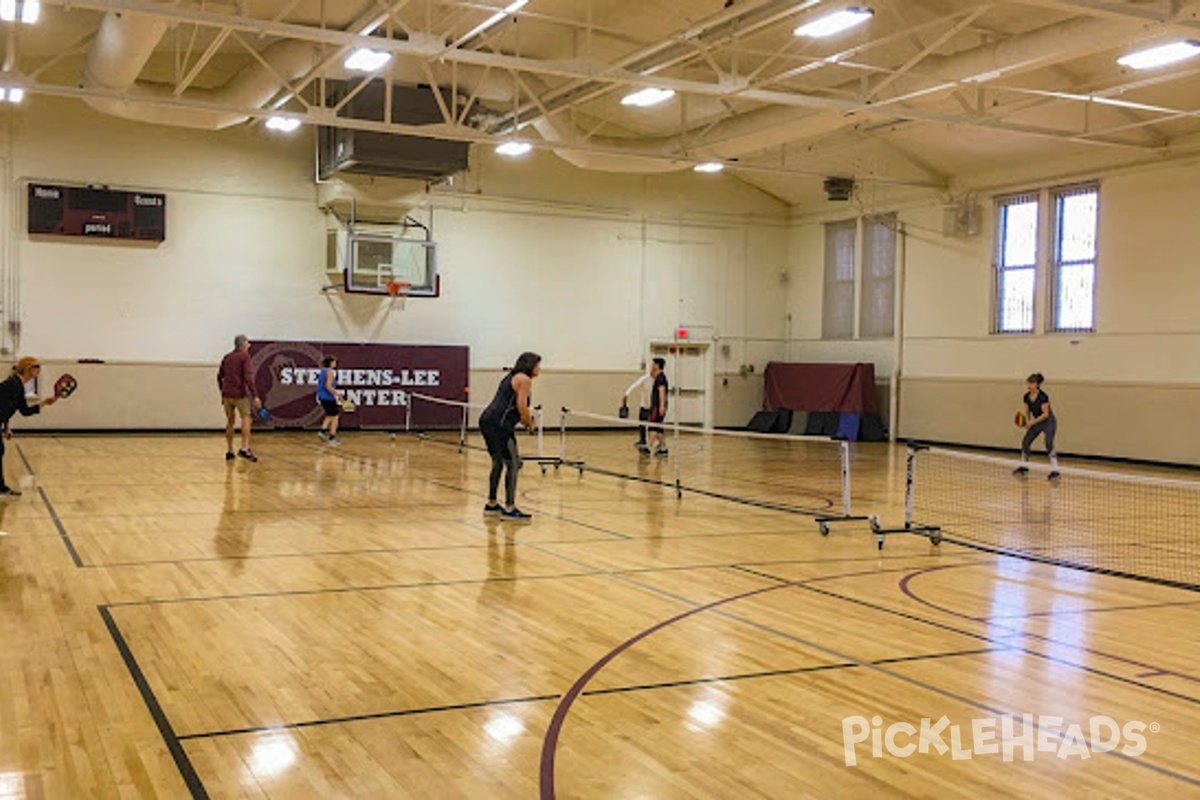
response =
{"points": [[880, 538], [824, 528]]}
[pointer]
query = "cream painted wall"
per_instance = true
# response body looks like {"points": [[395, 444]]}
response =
{"points": [[583, 267], [1128, 390]]}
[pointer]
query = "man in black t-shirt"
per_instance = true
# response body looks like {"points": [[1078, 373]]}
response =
{"points": [[658, 406]]}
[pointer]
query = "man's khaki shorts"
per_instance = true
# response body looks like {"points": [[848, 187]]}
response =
{"points": [[239, 404]]}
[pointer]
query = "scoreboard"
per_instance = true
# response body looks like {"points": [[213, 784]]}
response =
{"points": [[103, 213]]}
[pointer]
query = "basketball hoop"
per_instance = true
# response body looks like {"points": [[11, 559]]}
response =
{"points": [[398, 289]]}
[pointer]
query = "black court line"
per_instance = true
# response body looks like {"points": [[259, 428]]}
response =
{"points": [[537, 505], [291, 511], [182, 762], [62, 531], [553, 732], [591, 572], [409, 712], [312, 554], [348, 589], [1015, 634], [28, 466], [783, 673]]}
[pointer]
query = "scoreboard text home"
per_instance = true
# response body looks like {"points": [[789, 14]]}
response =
{"points": [[104, 213]]}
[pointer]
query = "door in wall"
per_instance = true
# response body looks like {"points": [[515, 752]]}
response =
{"points": [[689, 369]]}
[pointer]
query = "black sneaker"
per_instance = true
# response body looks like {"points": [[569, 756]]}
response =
{"points": [[515, 514], [662, 452], [230, 456], [492, 509], [335, 441], [7, 492], [1020, 472], [248, 455], [1053, 476]]}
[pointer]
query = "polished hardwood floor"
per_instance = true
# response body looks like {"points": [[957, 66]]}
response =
{"points": [[344, 622]]}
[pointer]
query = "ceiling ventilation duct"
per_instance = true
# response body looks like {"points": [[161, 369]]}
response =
{"points": [[394, 155], [839, 189]]}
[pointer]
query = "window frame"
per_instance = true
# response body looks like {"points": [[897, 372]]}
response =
{"points": [[889, 221], [1055, 264], [999, 268], [827, 288]]}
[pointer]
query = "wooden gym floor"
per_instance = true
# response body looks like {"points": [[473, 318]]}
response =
{"points": [[345, 623]]}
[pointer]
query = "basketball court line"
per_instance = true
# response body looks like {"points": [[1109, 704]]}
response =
{"points": [[179, 754], [187, 771], [62, 531], [553, 732], [198, 791], [787, 672], [1072, 611], [470, 581], [592, 693], [347, 589], [906, 588], [313, 554], [832, 577], [1018, 634], [536, 547]]}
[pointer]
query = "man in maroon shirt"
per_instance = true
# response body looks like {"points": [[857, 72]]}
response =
{"points": [[236, 380]]}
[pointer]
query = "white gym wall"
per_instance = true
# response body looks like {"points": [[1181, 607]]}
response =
{"points": [[583, 267]]}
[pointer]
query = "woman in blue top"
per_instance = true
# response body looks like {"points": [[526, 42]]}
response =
{"points": [[330, 399]]}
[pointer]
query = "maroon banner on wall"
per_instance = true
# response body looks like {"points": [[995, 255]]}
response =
{"points": [[845, 388], [377, 378]]}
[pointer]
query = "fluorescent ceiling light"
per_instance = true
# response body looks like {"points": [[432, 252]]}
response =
{"points": [[511, 8], [514, 149], [709, 167], [16, 94], [650, 96], [836, 22], [364, 60], [30, 11], [1161, 56], [282, 124]]}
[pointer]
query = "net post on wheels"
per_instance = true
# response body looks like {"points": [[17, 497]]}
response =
{"points": [[910, 473]]}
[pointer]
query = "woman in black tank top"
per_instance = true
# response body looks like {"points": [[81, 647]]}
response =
{"points": [[498, 424]]}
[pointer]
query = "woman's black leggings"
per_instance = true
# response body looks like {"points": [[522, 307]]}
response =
{"points": [[502, 447], [1046, 426]]}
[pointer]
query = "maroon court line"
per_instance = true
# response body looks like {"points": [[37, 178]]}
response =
{"points": [[550, 742], [553, 732], [906, 588]]}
